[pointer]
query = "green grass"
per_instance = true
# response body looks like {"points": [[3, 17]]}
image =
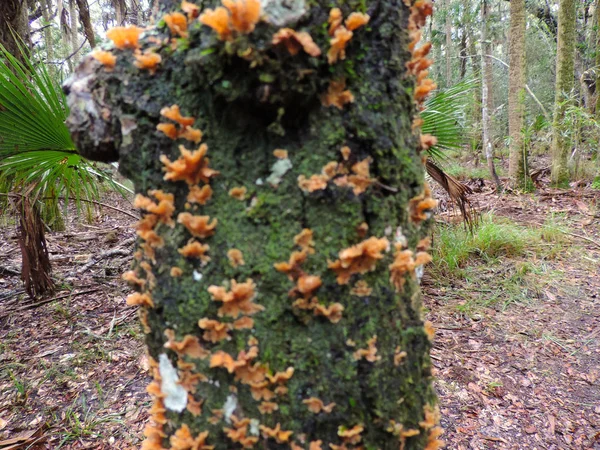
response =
{"points": [[463, 171], [499, 264], [493, 238]]}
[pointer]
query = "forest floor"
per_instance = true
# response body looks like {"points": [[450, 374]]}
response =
{"points": [[517, 351]]}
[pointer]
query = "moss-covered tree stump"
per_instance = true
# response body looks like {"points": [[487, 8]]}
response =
{"points": [[276, 155]]}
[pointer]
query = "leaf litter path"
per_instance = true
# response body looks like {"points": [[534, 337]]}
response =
{"points": [[524, 371], [73, 371]]}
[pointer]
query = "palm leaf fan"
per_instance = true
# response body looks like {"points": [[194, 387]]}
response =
{"points": [[444, 117]]}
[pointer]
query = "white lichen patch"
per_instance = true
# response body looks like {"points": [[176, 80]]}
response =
{"points": [[279, 169], [283, 12], [175, 395], [254, 427], [197, 275], [229, 407]]}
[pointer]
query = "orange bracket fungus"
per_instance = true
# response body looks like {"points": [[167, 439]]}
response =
{"points": [[360, 258], [191, 166], [199, 226], [295, 41], [177, 24], [239, 300], [315, 405], [107, 59], [125, 37], [147, 61], [337, 95]]}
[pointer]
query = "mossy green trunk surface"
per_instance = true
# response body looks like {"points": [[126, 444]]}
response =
{"points": [[249, 98], [516, 95], [565, 79]]}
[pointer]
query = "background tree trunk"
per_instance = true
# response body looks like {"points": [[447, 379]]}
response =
{"points": [[84, 17], [517, 171], [487, 102], [246, 112], [74, 31], [565, 70], [45, 5], [14, 19], [448, 52]]}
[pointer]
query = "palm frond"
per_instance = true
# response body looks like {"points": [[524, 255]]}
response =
{"points": [[444, 117], [36, 150]]}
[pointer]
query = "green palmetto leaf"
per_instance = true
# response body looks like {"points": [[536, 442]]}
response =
{"points": [[35, 146], [444, 117]]}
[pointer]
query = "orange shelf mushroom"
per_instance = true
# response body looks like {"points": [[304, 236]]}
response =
{"points": [[191, 9], [305, 240], [316, 182], [215, 331], [147, 61], [218, 20], [138, 299], [315, 405], [369, 353], [177, 23], [404, 264], [360, 258], [191, 166], [361, 289], [280, 153], [338, 43], [194, 249], [200, 195], [239, 300], [173, 113], [183, 440], [294, 41], [239, 193], [236, 258], [163, 210], [245, 14], [125, 37], [337, 95], [335, 20], [198, 226], [356, 20], [421, 206], [332, 312], [268, 407], [107, 59], [239, 433], [276, 433], [189, 345]]}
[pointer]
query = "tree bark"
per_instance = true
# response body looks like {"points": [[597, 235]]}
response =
{"points": [[84, 17], [250, 98], [597, 58], [14, 19], [74, 31], [517, 170], [448, 52], [565, 70], [45, 6], [487, 101]]}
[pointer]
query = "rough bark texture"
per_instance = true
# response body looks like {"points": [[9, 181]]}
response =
{"points": [[74, 32], [516, 94], [565, 69], [596, 33], [14, 19], [447, 51], [247, 107], [84, 17], [487, 101]]}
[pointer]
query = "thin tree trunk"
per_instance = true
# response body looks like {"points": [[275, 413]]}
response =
{"points": [[597, 59], [14, 19], [84, 17], [487, 102], [317, 323], [45, 5], [517, 169], [74, 31], [448, 52], [565, 70]]}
